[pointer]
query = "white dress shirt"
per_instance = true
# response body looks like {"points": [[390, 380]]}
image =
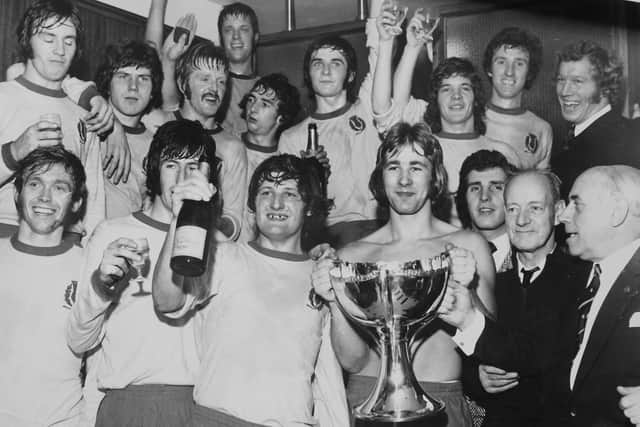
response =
{"points": [[535, 274], [611, 267], [580, 127], [502, 250]]}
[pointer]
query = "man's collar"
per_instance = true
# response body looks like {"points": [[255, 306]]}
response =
{"points": [[515, 111], [616, 260], [330, 115], [62, 247], [540, 264], [501, 242], [580, 127], [54, 93]]}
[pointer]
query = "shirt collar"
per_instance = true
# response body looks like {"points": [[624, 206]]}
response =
{"points": [[540, 266], [502, 249], [501, 242], [580, 127], [614, 263]]}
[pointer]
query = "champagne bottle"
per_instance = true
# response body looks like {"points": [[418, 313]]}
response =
{"points": [[312, 148], [191, 241]]}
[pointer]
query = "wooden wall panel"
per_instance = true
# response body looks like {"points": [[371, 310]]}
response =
{"points": [[11, 12], [103, 25], [284, 53]]}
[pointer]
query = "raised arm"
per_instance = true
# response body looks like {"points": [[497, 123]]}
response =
{"points": [[155, 24], [175, 45], [168, 288], [381, 91], [104, 277], [351, 350], [403, 76]]}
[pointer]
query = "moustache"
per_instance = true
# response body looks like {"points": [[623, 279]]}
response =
{"points": [[215, 96]]}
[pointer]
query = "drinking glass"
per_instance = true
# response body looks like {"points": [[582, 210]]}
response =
{"points": [[400, 13], [430, 23], [142, 249], [53, 119]]}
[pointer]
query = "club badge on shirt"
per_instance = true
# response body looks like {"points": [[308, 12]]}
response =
{"points": [[357, 124], [531, 143], [82, 131], [70, 294]]}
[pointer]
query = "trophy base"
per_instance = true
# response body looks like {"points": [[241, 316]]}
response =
{"points": [[435, 422], [428, 416]]}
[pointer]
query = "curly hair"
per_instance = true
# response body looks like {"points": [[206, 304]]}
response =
{"points": [[606, 69], [419, 137], [346, 50], [455, 67], [286, 95], [179, 139], [131, 54], [34, 19], [316, 206], [479, 161], [44, 158], [514, 37]]}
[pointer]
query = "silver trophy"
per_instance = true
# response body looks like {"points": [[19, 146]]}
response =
{"points": [[397, 299]]}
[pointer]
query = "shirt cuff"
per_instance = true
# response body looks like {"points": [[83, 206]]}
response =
{"points": [[7, 157], [468, 338], [86, 96]]}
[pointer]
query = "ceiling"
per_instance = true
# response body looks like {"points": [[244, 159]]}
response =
{"points": [[271, 13], [309, 13]]}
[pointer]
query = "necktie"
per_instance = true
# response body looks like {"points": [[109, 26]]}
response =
{"points": [[526, 276], [572, 132], [493, 247], [586, 300]]}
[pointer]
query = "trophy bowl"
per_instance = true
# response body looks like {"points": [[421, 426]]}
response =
{"points": [[397, 299]]}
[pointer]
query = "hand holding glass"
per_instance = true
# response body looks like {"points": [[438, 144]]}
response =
{"points": [[429, 24], [54, 121], [399, 11]]}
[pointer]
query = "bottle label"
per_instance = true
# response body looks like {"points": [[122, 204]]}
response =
{"points": [[189, 241]]}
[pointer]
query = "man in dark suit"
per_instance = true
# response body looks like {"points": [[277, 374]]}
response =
{"points": [[602, 221], [525, 347], [588, 86]]}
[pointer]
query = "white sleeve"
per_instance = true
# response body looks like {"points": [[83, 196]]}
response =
{"points": [[96, 196], [412, 113], [468, 338], [79, 91], [84, 326], [329, 396], [233, 186]]}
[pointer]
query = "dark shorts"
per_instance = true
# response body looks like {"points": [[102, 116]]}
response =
{"points": [[456, 413], [206, 417], [149, 405]]}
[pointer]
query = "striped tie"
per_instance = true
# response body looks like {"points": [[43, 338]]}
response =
{"points": [[586, 300]]}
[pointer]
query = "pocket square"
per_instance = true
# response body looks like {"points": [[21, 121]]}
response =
{"points": [[634, 320]]}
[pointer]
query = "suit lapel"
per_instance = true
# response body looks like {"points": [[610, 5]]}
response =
{"points": [[612, 311]]}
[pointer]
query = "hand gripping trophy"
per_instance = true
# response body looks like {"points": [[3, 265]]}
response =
{"points": [[397, 299]]}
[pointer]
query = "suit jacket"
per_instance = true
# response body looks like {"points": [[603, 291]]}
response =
{"points": [[610, 140], [612, 354], [534, 336]]}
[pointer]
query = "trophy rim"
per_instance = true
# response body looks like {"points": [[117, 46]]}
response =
{"points": [[436, 264], [426, 263]]}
